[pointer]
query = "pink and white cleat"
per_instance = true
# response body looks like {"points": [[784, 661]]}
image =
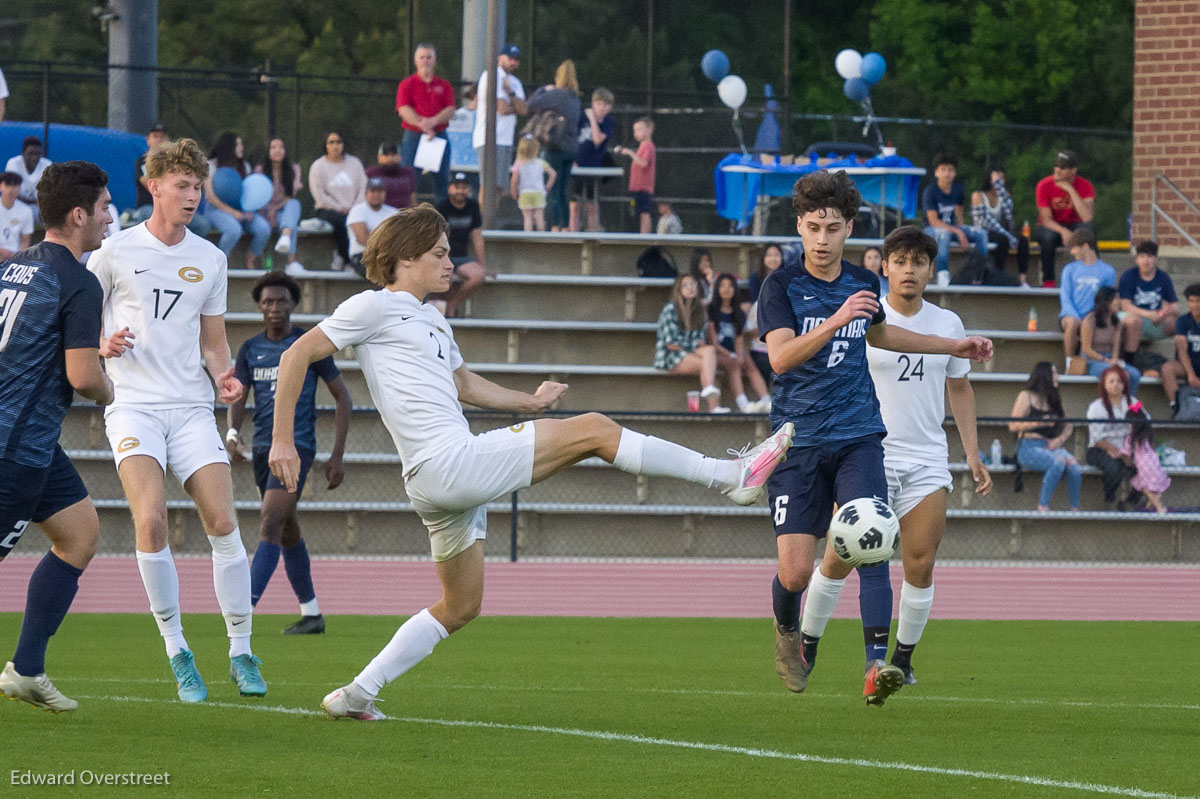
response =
{"points": [[351, 702], [756, 466]]}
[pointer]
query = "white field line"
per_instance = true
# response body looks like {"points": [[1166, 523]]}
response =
{"points": [[772, 754], [907, 697]]}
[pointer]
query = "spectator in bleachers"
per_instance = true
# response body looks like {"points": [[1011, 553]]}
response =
{"points": [[1081, 279], [1151, 479], [282, 211], [668, 220], [229, 221], [510, 101], [942, 202], [1106, 437], [701, 270], [532, 177], [992, 212], [595, 129], [16, 218], [144, 202], [1065, 203], [1037, 419], [1100, 337], [769, 260], [1149, 301], [641, 171], [727, 322], [336, 181], [365, 217], [425, 103], [680, 343], [561, 98], [1186, 364], [29, 165], [465, 219], [873, 262], [401, 181]]}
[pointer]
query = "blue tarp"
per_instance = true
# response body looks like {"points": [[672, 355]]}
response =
{"points": [[738, 192], [114, 151]]}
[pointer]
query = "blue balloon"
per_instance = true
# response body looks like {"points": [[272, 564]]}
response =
{"points": [[715, 65], [256, 192], [873, 67], [856, 89], [227, 185]]}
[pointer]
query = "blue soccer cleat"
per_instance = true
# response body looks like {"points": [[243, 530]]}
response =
{"points": [[243, 670], [187, 678]]}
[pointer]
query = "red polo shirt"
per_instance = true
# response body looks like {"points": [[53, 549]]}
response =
{"points": [[427, 99], [1048, 194]]}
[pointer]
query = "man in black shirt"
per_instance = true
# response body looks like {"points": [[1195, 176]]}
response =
{"points": [[466, 232]]}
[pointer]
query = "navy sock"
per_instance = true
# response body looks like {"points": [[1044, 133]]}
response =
{"points": [[299, 571], [902, 657], [787, 605], [266, 558], [52, 588], [875, 607]]}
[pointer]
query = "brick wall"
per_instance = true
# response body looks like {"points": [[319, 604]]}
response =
{"points": [[1166, 112]]}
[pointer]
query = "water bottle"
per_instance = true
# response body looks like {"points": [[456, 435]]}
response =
{"points": [[997, 452], [1032, 326], [1025, 229], [269, 262]]}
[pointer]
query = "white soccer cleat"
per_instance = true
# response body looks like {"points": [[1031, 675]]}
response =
{"points": [[37, 691], [757, 465], [350, 702]]}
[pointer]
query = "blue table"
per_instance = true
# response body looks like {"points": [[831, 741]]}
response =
{"points": [[888, 182]]}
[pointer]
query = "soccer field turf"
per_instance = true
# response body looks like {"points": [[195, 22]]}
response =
{"points": [[624, 707]]}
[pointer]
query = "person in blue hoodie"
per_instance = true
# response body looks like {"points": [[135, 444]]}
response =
{"points": [[1081, 279]]}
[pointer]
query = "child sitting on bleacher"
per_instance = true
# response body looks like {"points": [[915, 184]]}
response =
{"points": [[1151, 479]]}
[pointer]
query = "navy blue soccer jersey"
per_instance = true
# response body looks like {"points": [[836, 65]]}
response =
{"points": [[49, 303], [829, 397], [258, 366]]}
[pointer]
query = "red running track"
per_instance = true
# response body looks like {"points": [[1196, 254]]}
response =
{"points": [[730, 590]]}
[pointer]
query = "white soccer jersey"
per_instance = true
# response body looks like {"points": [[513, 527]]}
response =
{"points": [[159, 293], [912, 388], [15, 222], [408, 356]]}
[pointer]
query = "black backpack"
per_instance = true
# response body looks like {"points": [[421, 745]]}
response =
{"points": [[973, 270], [656, 262]]}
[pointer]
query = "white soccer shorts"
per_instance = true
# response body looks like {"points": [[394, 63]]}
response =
{"points": [[450, 491], [185, 439], [910, 483]]}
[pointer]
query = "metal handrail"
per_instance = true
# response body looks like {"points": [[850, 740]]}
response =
{"points": [[1156, 210]]}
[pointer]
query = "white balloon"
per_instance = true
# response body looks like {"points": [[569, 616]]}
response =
{"points": [[849, 64], [732, 91]]}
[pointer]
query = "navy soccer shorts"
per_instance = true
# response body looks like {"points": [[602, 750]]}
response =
{"points": [[29, 494], [803, 489], [269, 482]]}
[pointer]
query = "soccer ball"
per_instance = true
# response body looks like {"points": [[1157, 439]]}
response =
{"points": [[864, 531]]}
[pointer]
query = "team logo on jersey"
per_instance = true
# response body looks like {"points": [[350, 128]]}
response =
{"points": [[516, 428], [191, 274], [127, 444]]}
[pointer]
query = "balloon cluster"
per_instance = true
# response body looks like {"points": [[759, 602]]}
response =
{"points": [[245, 194], [730, 88], [861, 72]]}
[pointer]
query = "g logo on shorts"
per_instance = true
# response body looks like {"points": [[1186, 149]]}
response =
{"points": [[127, 444], [516, 428], [191, 274]]}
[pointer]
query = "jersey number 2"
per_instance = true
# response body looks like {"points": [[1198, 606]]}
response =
{"points": [[439, 345], [910, 370], [11, 301]]}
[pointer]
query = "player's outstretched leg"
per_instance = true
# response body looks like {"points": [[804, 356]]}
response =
{"points": [[563, 442]]}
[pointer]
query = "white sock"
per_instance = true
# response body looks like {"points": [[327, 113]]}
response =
{"points": [[915, 604], [822, 599], [310, 608], [231, 580], [641, 454], [742, 402], [162, 589], [411, 644]]}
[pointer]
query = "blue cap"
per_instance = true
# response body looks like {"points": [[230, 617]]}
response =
{"points": [[511, 50]]}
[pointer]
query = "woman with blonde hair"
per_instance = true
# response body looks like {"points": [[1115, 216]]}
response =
{"points": [[557, 109], [681, 345]]}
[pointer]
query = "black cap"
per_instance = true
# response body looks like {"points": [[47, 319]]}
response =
{"points": [[387, 148], [459, 177], [375, 183], [1066, 159], [157, 127]]}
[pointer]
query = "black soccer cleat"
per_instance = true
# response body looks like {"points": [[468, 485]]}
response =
{"points": [[307, 625]]}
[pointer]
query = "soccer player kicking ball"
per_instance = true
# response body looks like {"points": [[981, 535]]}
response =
{"points": [[164, 309], [257, 365], [912, 393], [49, 326], [816, 318], [418, 379]]}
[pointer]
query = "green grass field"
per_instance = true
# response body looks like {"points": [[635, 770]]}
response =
{"points": [[621, 708]]}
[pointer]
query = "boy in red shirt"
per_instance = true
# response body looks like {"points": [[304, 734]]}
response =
{"points": [[641, 171], [1066, 203]]}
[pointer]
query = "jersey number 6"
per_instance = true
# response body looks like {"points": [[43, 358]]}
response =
{"points": [[838, 354]]}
